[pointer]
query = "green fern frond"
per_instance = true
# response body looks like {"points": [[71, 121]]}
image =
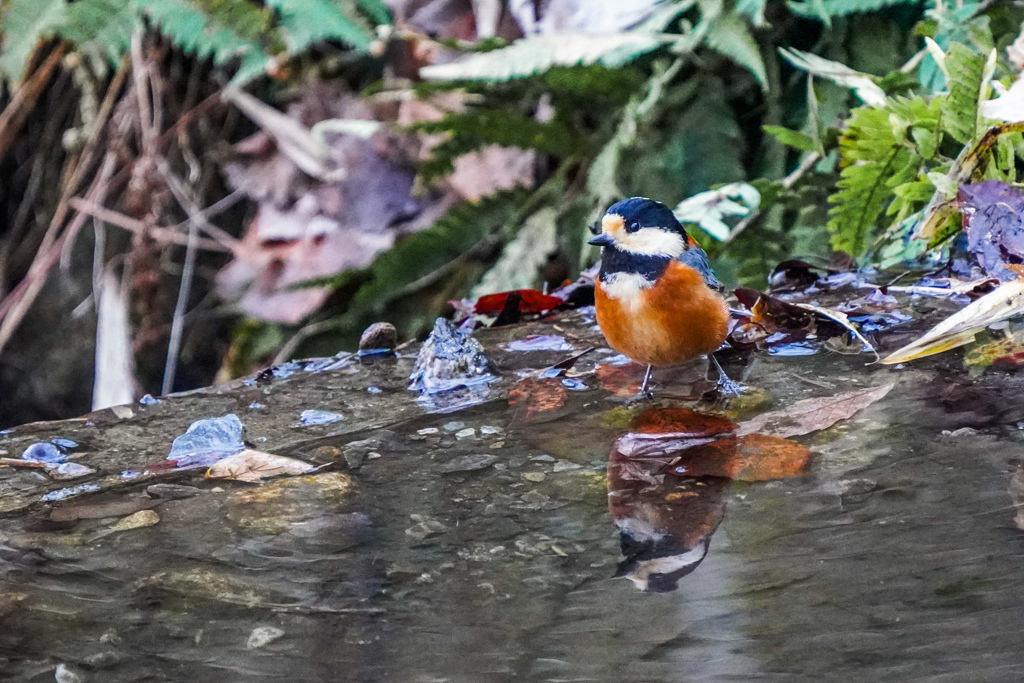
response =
{"points": [[23, 23], [872, 158], [101, 28], [482, 126], [537, 54], [966, 70], [728, 35], [304, 22], [224, 30], [829, 9]]}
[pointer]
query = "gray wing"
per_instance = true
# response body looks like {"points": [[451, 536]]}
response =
{"points": [[695, 258]]}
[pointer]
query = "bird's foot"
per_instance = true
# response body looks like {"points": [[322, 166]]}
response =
{"points": [[725, 387]]}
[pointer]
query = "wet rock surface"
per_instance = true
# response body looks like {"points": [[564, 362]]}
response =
{"points": [[478, 545]]}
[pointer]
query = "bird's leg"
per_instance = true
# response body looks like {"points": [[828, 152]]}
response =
{"points": [[726, 385], [647, 378]]}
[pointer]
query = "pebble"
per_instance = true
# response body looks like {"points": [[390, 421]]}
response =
{"points": [[148, 400], [465, 433], [171, 491], [69, 470], [534, 476], [375, 390], [66, 444], [453, 426], [256, 405], [65, 674], [488, 430], [262, 636], [469, 463], [565, 466], [427, 430], [542, 458]]}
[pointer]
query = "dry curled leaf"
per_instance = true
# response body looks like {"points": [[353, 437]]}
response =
{"points": [[538, 395], [813, 414], [250, 465], [754, 457]]}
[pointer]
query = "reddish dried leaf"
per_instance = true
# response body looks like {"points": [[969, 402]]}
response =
{"points": [[813, 414], [755, 457], [623, 381], [538, 395], [530, 301], [681, 421]]}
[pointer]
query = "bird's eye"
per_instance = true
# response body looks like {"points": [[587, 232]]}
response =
{"points": [[594, 228], [633, 226]]}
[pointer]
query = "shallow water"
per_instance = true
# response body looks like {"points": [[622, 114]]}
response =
{"points": [[894, 558]]}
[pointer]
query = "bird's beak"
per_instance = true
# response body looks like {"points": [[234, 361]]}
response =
{"points": [[602, 240]]}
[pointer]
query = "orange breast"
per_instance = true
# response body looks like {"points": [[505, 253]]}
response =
{"points": [[675, 320]]}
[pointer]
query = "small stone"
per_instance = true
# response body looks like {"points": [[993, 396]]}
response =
{"points": [[465, 433], [488, 430], [372, 455], [262, 636], [498, 444], [171, 491], [427, 430], [542, 458], [65, 444], [565, 466], [469, 463], [256, 405], [534, 476], [379, 337], [425, 527], [65, 674], [454, 426], [69, 470], [138, 520], [122, 412], [500, 466], [374, 390], [148, 400]]}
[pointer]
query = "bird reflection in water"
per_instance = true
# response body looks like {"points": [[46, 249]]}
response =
{"points": [[665, 521]]}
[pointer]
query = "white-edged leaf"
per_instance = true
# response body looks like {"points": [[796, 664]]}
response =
{"points": [[537, 54], [23, 23], [1004, 302], [862, 84], [708, 210]]}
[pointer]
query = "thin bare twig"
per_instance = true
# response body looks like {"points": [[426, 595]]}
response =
{"points": [[302, 335], [24, 99], [161, 235], [789, 181]]}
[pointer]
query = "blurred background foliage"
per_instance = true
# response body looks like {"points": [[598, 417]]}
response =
{"points": [[192, 189]]}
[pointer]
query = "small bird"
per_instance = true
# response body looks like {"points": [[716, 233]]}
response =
{"points": [[658, 301]]}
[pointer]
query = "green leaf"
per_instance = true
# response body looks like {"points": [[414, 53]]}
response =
{"points": [[521, 260], [728, 35], [828, 9], [872, 156], [101, 27], [960, 108], [224, 30], [536, 54], [23, 23], [792, 138], [305, 22], [863, 85]]}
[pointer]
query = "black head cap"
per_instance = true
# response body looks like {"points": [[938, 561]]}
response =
{"points": [[647, 213]]}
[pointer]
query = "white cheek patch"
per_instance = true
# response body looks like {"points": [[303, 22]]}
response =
{"points": [[626, 287], [653, 242]]}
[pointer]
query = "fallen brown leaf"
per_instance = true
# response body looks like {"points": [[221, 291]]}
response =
{"points": [[754, 457], [812, 414], [538, 395]]}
